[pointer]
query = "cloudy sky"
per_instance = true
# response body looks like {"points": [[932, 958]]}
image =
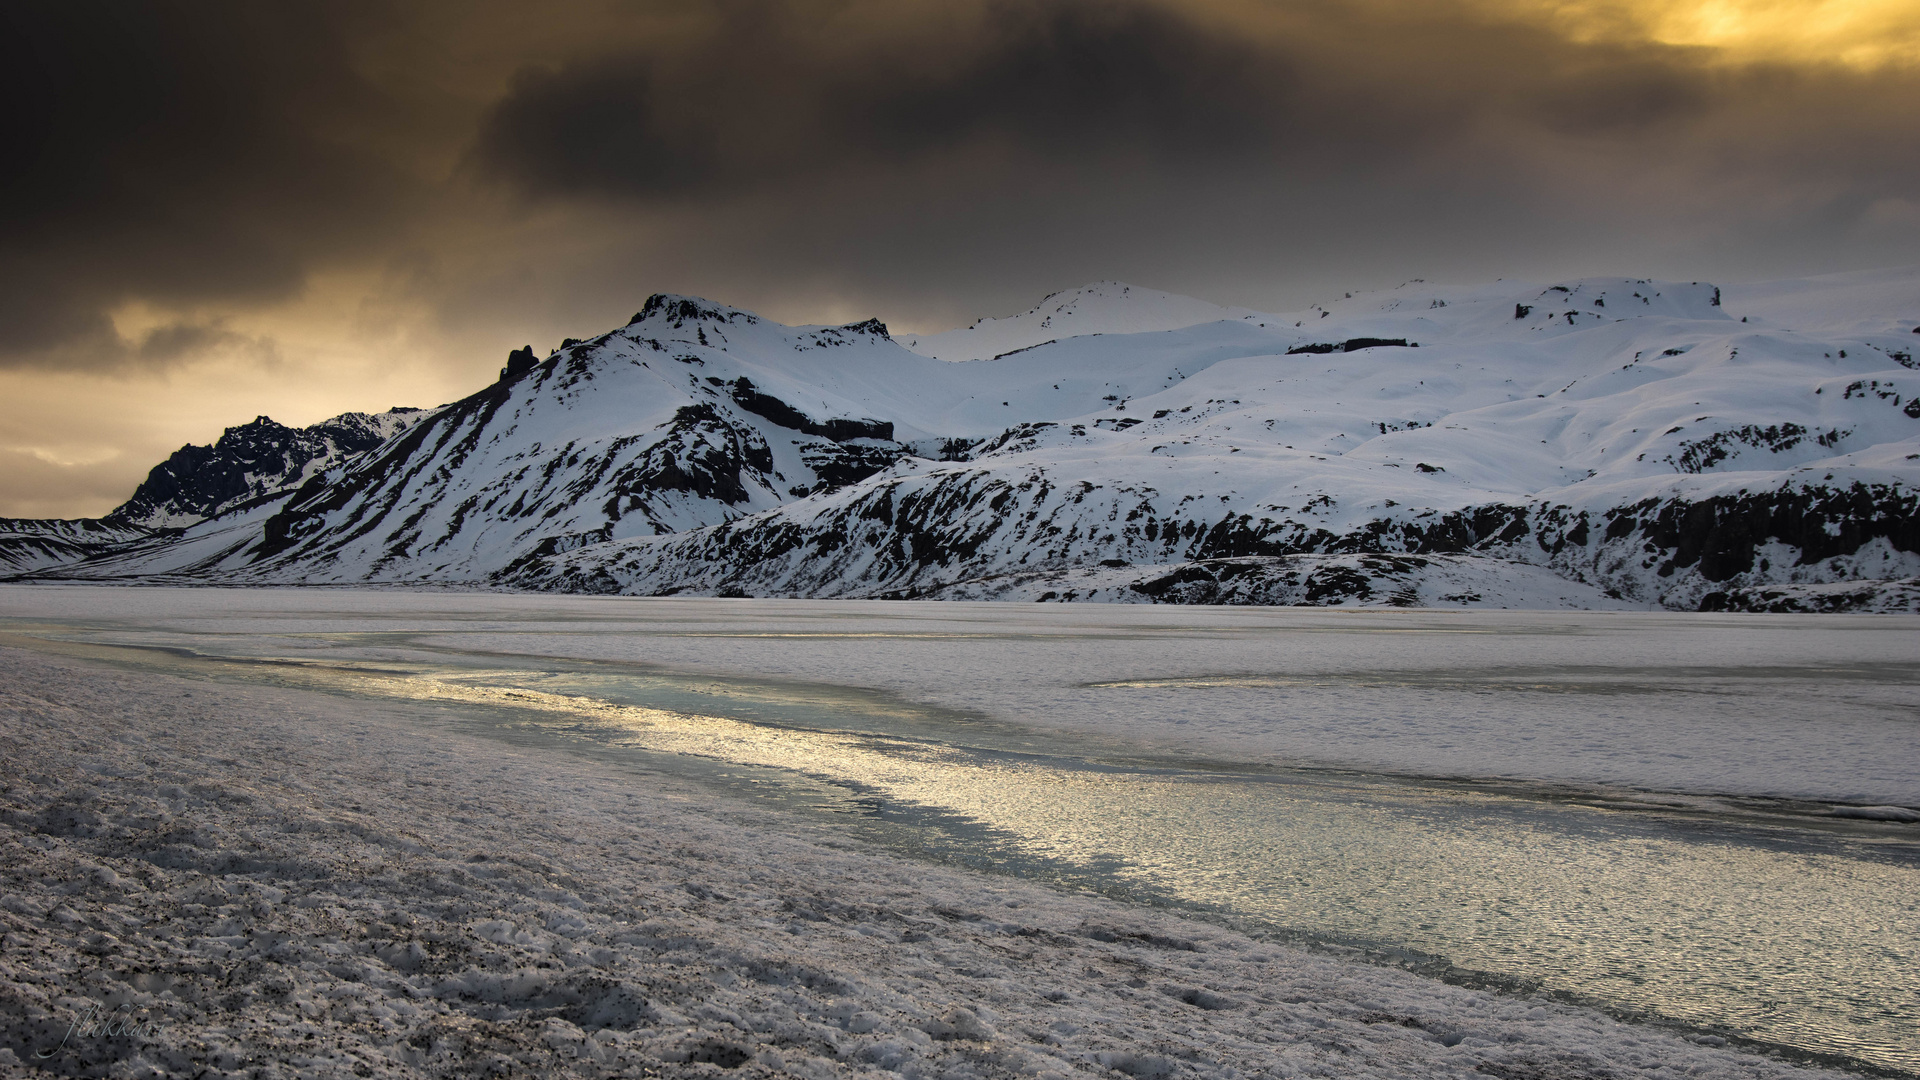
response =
{"points": [[217, 210]]}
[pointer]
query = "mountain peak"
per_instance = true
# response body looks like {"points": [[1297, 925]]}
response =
{"points": [[871, 327], [677, 311]]}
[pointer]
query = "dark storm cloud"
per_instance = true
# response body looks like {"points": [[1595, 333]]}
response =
{"points": [[975, 155], [1074, 78], [175, 153], [203, 157], [1055, 79], [1624, 96], [592, 128], [1110, 91], [177, 341]]}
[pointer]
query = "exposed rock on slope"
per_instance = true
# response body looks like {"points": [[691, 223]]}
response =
{"points": [[247, 465], [199, 482], [28, 544], [1585, 443]]}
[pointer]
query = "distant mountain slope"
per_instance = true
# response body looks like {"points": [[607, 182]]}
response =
{"points": [[1630, 435], [199, 482], [248, 463], [692, 415], [28, 544], [1578, 444], [1104, 307], [1882, 305]]}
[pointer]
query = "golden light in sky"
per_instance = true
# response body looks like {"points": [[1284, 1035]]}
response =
{"points": [[1862, 34]]}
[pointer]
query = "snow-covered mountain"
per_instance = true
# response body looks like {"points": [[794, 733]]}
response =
{"points": [[1598, 442], [30, 544], [1104, 307], [247, 463], [251, 460]]}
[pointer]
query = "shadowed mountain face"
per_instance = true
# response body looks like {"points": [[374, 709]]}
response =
{"points": [[1589, 443], [199, 482], [255, 461]]}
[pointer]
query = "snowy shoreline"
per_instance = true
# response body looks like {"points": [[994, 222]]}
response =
{"points": [[281, 883]]}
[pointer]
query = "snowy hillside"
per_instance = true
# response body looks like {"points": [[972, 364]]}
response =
{"points": [[1104, 307], [1580, 443], [28, 544], [247, 464]]}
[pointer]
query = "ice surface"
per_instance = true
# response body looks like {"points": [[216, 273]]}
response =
{"points": [[281, 883], [1819, 707]]}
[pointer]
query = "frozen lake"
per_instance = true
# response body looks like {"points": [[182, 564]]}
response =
{"points": [[1646, 812]]}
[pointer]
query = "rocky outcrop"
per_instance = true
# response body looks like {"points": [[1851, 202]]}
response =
{"points": [[199, 482]]}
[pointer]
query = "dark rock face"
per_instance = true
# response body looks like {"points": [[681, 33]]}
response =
{"points": [[1287, 581], [1218, 581], [702, 454], [917, 538], [872, 327], [751, 399], [371, 488], [1784, 599], [839, 464], [28, 544], [1719, 538], [1703, 454], [677, 311], [519, 362], [1349, 345], [197, 482]]}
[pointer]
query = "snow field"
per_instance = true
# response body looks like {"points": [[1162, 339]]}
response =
{"points": [[284, 884], [1816, 707]]}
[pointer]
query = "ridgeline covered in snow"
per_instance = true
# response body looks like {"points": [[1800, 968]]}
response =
{"points": [[1586, 443]]}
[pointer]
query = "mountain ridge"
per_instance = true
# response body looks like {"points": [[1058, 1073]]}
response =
{"points": [[1586, 443], [1100, 307], [247, 462]]}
